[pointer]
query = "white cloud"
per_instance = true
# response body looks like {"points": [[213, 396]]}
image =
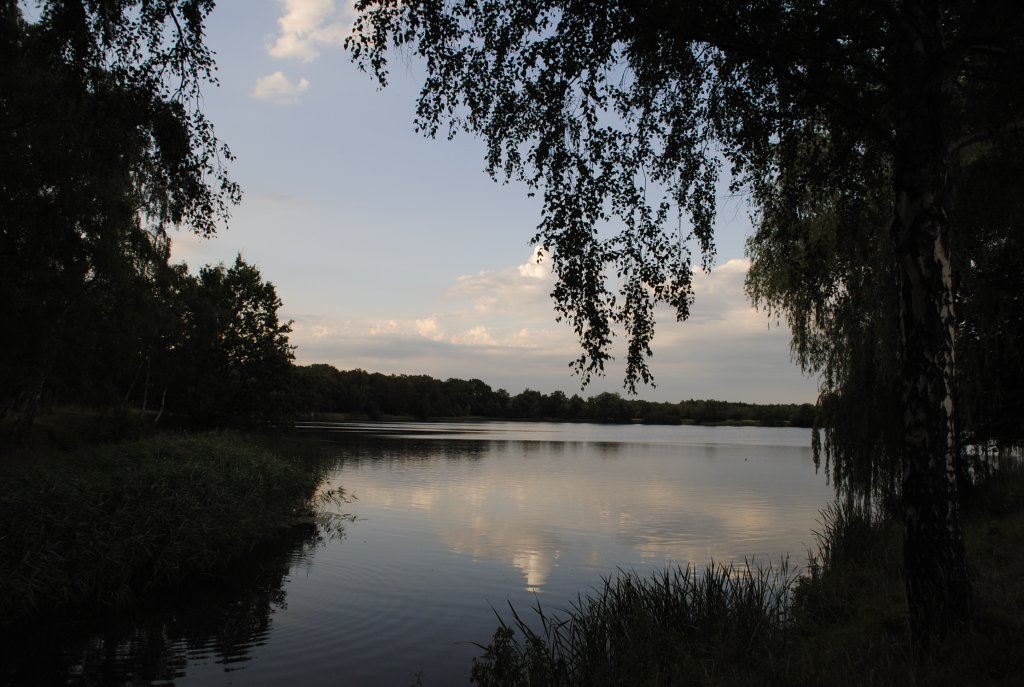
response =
{"points": [[387, 327], [429, 329], [520, 289], [719, 298], [278, 89], [307, 26], [537, 267], [477, 336]]}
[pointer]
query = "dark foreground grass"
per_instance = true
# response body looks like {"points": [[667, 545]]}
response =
{"points": [[843, 622], [681, 626], [100, 524]]}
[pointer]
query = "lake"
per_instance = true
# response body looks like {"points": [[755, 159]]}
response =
{"points": [[452, 522]]}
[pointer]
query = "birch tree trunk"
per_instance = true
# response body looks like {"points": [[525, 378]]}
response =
{"points": [[938, 588]]}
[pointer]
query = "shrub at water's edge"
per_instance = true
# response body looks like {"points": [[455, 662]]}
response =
{"points": [[843, 623], [101, 524]]}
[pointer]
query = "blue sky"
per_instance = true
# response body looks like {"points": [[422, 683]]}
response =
{"points": [[396, 253]]}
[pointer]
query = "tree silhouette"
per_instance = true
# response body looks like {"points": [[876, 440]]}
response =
{"points": [[104, 147]]}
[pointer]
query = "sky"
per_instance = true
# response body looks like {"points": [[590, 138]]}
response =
{"points": [[396, 253]]}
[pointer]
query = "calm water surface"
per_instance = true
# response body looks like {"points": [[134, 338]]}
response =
{"points": [[453, 522]]}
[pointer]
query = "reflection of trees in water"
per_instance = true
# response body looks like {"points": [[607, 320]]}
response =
{"points": [[218, 620], [338, 448]]}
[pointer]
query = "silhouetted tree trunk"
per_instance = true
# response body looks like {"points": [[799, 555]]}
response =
{"points": [[39, 368], [938, 588], [25, 408]]}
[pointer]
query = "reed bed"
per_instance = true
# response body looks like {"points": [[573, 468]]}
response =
{"points": [[718, 623], [101, 524]]}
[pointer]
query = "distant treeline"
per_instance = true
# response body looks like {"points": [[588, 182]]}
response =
{"points": [[325, 389]]}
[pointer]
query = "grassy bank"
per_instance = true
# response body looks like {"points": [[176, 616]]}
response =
{"points": [[99, 524], [843, 624]]}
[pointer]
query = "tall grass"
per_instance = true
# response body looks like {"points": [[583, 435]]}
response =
{"points": [[100, 524], [721, 623]]}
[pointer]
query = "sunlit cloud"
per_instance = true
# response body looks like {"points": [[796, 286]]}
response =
{"points": [[308, 26], [386, 327], [277, 88], [523, 288], [721, 314], [537, 267], [477, 336], [719, 295], [429, 329]]}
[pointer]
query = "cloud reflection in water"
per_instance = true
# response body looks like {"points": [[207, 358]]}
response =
{"points": [[557, 508]]}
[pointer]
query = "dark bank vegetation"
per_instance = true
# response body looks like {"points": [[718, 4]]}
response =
{"points": [[98, 526], [169, 349], [108, 340], [844, 622], [325, 389], [104, 151]]}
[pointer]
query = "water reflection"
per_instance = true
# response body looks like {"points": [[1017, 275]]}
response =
{"points": [[214, 626], [543, 506]]}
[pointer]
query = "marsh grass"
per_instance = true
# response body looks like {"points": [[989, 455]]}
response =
{"points": [[98, 525], [842, 621], [720, 623]]}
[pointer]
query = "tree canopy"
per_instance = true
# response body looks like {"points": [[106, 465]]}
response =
{"points": [[229, 360], [356, 393], [619, 113], [830, 272], [104, 148]]}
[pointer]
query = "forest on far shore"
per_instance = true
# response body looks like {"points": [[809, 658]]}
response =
{"points": [[324, 389]]}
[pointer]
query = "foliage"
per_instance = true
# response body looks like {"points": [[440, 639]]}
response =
{"points": [[990, 284], [620, 115], [206, 349], [101, 524], [324, 389], [828, 268], [104, 148], [231, 360]]}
